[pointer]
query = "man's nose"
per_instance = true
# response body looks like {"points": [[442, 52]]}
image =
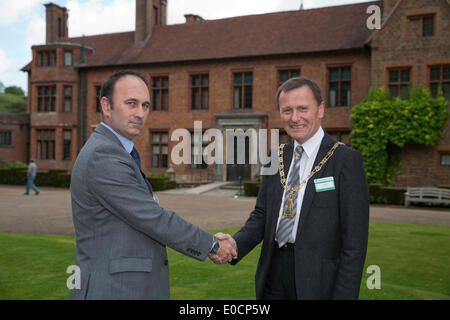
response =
{"points": [[140, 111], [296, 116]]}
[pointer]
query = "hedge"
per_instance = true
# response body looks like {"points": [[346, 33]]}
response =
{"points": [[378, 194], [61, 179], [251, 188]]}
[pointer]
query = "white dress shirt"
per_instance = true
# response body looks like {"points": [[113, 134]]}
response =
{"points": [[310, 150]]}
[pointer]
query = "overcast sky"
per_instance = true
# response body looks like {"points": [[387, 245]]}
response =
{"points": [[22, 22]]}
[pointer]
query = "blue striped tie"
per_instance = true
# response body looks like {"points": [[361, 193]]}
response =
{"points": [[287, 224], [136, 157]]}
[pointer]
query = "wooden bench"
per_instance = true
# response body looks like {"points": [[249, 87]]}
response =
{"points": [[427, 195]]}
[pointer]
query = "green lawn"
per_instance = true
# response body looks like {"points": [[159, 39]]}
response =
{"points": [[414, 261]]}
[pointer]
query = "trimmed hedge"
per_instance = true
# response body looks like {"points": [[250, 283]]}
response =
{"points": [[61, 179], [161, 182], [251, 188], [378, 194], [52, 178]]}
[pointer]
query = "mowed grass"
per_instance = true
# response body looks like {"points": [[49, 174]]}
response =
{"points": [[414, 261]]}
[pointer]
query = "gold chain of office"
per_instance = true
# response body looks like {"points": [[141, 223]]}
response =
{"points": [[292, 192]]}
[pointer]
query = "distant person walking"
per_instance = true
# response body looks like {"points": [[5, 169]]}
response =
{"points": [[31, 175]]}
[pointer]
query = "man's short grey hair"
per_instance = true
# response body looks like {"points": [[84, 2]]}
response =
{"points": [[298, 82]]}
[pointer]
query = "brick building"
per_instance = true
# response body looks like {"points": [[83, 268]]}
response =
{"points": [[14, 136], [225, 73]]}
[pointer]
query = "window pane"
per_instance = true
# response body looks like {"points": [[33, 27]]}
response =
{"points": [[237, 78], [248, 97], [428, 26], [334, 74], [156, 102], [155, 149], [195, 98], [345, 94], [67, 58], [237, 97], [195, 80], [404, 75], [445, 159], [155, 82], [164, 149], [346, 74], [435, 73], [333, 94], [164, 137], [295, 73], [155, 161], [393, 76], [446, 73], [205, 98], [248, 77], [205, 81], [165, 99], [165, 82], [155, 137], [446, 90], [284, 75]]}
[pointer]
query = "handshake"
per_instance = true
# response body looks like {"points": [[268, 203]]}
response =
{"points": [[227, 251]]}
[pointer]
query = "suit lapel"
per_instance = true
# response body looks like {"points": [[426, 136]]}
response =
{"points": [[106, 133], [325, 146]]}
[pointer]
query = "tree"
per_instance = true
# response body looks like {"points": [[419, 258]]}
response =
{"points": [[383, 126], [15, 90]]}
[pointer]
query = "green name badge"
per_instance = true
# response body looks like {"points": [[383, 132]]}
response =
{"points": [[324, 184]]}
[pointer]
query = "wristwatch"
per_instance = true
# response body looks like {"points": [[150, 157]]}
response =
{"points": [[215, 247]]}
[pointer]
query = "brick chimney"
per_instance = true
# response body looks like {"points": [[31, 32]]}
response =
{"points": [[148, 14], [388, 5], [56, 23], [192, 18]]}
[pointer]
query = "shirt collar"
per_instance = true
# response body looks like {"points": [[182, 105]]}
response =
{"points": [[126, 143], [312, 143]]}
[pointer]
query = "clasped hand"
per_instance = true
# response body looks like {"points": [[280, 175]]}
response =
{"points": [[227, 251]]}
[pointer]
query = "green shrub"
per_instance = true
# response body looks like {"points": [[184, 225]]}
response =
{"points": [[251, 188], [386, 195], [52, 178], [12, 164], [161, 181]]}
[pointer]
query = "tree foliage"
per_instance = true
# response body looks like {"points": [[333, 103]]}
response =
{"points": [[382, 126], [15, 90], [13, 103]]}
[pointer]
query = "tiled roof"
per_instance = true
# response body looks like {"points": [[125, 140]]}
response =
{"points": [[290, 32]]}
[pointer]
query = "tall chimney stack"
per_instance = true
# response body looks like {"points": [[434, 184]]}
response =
{"points": [[56, 23], [149, 13]]}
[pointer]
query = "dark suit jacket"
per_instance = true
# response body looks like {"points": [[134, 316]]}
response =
{"points": [[121, 232], [331, 241]]}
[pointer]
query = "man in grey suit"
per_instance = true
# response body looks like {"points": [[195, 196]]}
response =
{"points": [[313, 214], [121, 231]]}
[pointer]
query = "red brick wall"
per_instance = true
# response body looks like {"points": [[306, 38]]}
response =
{"points": [[265, 85], [396, 46], [19, 126]]}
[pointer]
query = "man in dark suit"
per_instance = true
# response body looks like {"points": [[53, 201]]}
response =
{"points": [[315, 230], [121, 231]]}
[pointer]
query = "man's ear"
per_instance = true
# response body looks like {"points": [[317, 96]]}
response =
{"points": [[106, 107]]}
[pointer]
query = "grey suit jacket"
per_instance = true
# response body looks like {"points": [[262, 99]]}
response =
{"points": [[331, 241], [121, 232]]}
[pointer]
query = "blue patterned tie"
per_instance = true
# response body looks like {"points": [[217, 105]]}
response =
{"points": [[136, 157], [287, 224]]}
